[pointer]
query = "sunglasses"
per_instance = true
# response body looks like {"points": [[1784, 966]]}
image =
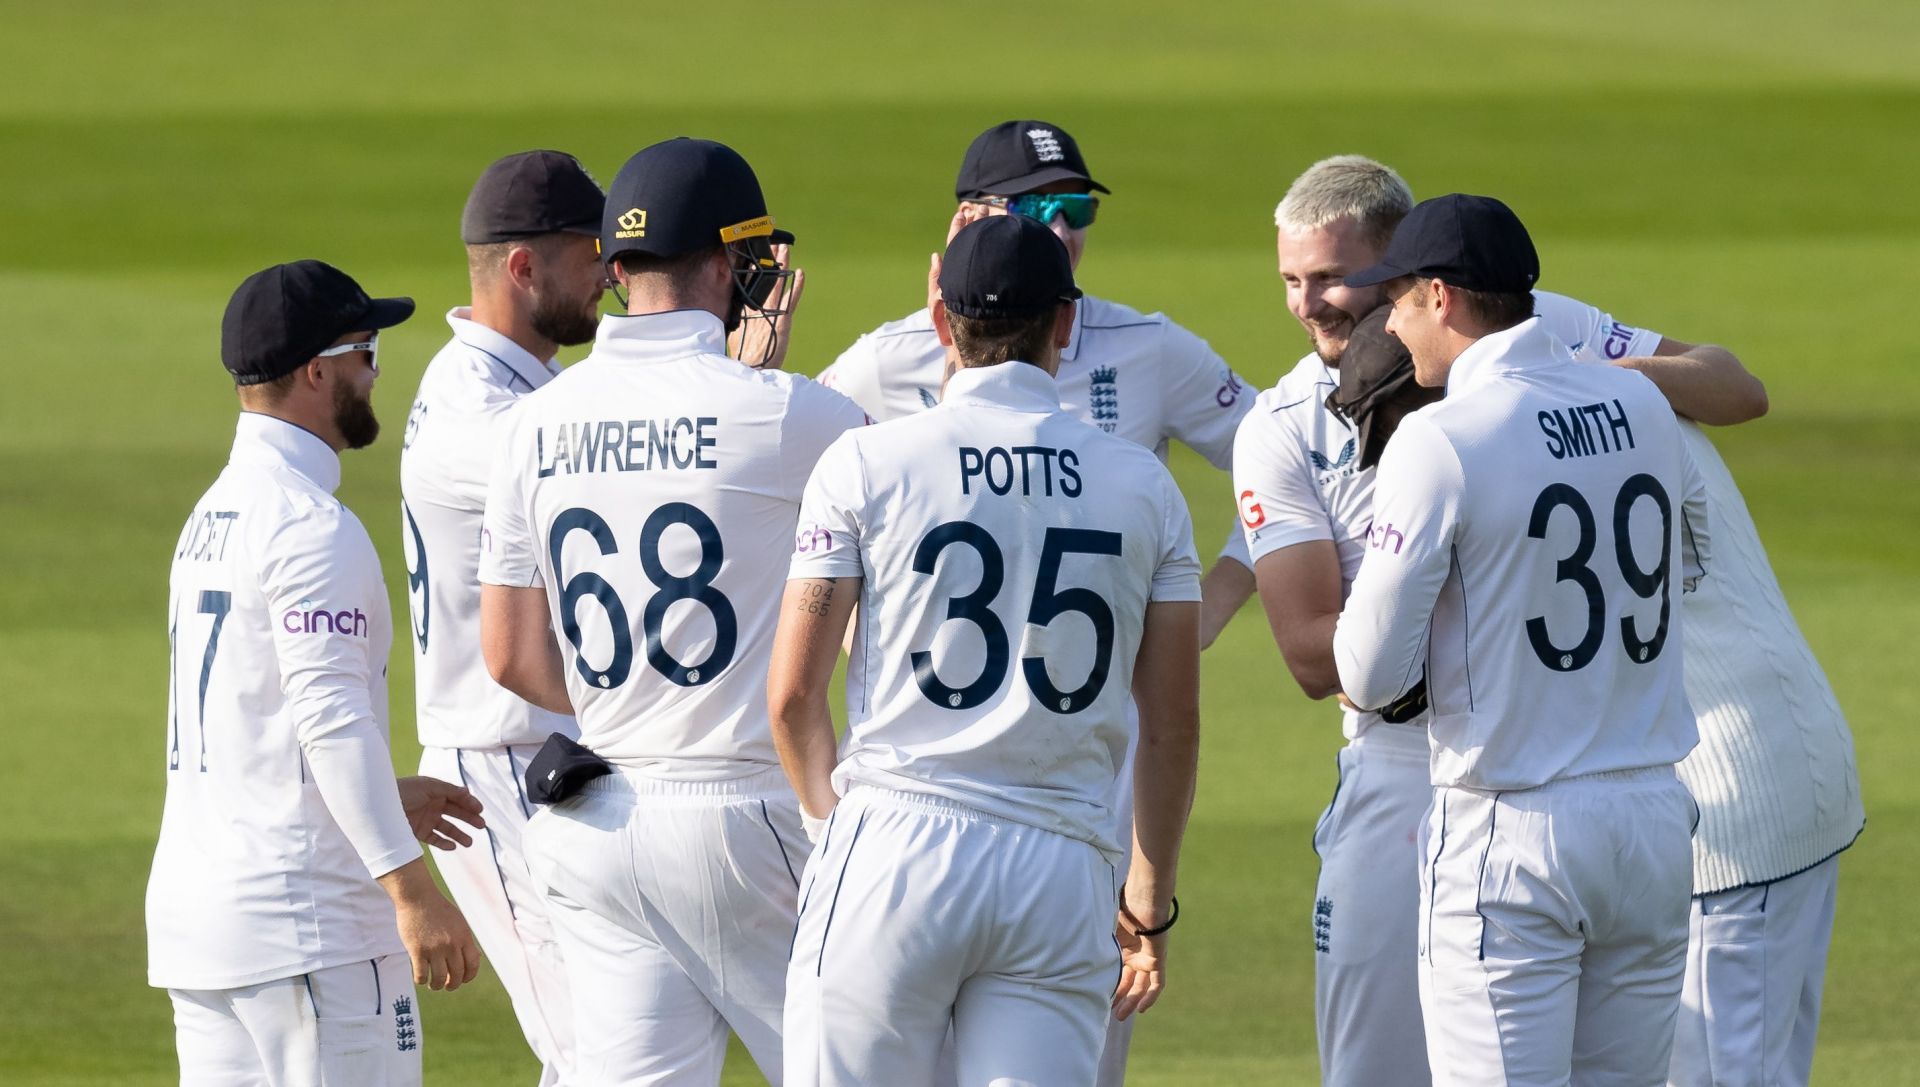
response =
{"points": [[371, 347], [1079, 209]]}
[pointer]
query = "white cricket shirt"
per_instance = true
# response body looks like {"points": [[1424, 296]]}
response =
{"points": [[445, 458], [1009, 551], [1530, 536], [1136, 376], [652, 489], [281, 806], [1774, 773], [1296, 471]]}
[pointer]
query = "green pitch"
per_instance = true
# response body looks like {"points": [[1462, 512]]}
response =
{"points": [[1744, 176]]}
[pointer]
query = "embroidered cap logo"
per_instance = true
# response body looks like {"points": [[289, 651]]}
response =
{"points": [[1046, 146]]}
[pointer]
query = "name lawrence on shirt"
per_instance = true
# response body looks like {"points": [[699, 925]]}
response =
{"points": [[625, 445]]}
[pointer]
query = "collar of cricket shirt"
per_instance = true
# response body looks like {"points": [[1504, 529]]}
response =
{"points": [[271, 441], [1527, 345], [1021, 386], [499, 348], [658, 337]]}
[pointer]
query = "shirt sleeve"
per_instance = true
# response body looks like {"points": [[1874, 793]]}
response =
{"points": [[855, 375], [1695, 520], [1590, 333], [1176, 572], [509, 555], [816, 417], [1380, 641], [1235, 547], [832, 516], [1205, 400], [321, 562], [1274, 488]]}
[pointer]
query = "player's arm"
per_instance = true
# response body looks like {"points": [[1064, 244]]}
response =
{"points": [[1166, 688], [1205, 401], [813, 619], [1703, 382], [1300, 592], [521, 652], [1223, 592], [327, 678], [1379, 643]]}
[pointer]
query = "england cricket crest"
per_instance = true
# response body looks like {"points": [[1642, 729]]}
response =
{"points": [[1103, 398]]}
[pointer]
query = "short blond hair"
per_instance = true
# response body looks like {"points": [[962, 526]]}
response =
{"points": [[1346, 186]]}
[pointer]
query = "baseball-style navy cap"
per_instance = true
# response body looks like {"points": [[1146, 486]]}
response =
{"points": [[282, 317], [1015, 157], [1472, 242], [681, 195], [529, 194], [1006, 266]]}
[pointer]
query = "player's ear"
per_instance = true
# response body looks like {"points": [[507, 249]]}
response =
{"points": [[1063, 325], [942, 328], [519, 266]]}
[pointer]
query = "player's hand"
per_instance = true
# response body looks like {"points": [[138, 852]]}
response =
{"points": [[1143, 969], [436, 936], [444, 953], [967, 213], [749, 342], [433, 805]]}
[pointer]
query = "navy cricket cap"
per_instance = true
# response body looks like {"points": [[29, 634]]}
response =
{"points": [[1006, 266], [1015, 157], [1472, 242], [283, 316], [529, 194], [682, 195]]}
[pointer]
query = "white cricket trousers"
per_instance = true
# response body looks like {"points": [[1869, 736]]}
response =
{"points": [[1553, 930], [921, 915], [492, 886], [1366, 907], [674, 905], [1756, 961], [355, 1025]]}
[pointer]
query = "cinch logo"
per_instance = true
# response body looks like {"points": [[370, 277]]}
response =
{"points": [[1227, 394], [633, 223], [1046, 146], [1386, 538], [1618, 337], [813, 539], [307, 619]]}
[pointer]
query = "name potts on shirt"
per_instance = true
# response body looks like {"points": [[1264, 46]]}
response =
{"points": [[1035, 469], [625, 445]]}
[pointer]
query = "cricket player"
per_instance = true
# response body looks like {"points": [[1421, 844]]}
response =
{"points": [[965, 879], [1307, 518], [1531, 534], [530, 226], [287, 891], [641, 505], [1139, 376]]}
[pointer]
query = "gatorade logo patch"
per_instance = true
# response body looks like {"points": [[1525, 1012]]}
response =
{"points": [[633, 223]]}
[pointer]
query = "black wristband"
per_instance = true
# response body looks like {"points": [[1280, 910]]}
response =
{"points": [[1142, 930]]}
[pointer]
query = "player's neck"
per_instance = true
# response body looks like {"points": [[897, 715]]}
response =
{"points": [[510, 321]]}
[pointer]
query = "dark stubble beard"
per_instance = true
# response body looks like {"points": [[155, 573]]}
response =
{"points": [[565, 323], [353, 417]]}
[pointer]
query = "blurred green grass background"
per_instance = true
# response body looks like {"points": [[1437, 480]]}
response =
{"points": [[1734, 173]]}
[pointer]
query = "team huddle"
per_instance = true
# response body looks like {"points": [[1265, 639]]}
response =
{"points": [[1588, 816]]}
